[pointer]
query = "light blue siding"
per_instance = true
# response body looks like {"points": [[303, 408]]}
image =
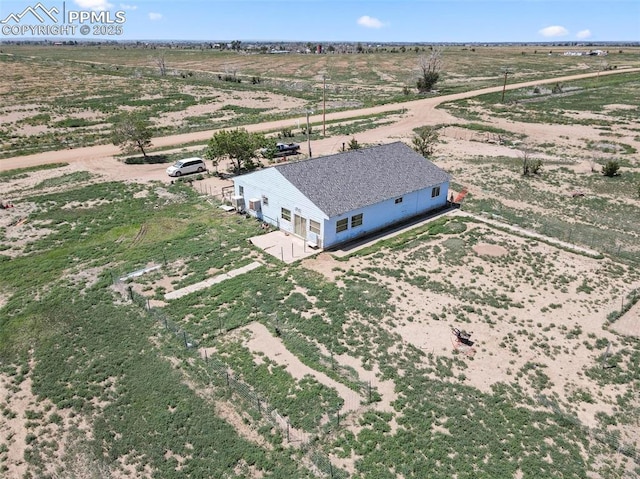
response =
{"points": [[280, 193], [384, 214], [273, 192]]}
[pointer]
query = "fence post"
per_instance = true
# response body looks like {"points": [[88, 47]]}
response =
{"points": [[288, 436], [184, 335], [227, 378], [131, 292], [369, 391]]}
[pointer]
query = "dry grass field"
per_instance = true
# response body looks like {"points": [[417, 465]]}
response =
{"points": [[337, 365], [63, 97]]}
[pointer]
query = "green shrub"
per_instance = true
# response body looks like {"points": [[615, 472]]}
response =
{"points": [[611, 168]]}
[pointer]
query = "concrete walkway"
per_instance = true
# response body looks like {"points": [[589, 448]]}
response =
{"points": [[179, 293]]}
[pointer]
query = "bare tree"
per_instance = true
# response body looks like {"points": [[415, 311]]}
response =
{"points": [[430, 67], [161, 63], [530, 165]]}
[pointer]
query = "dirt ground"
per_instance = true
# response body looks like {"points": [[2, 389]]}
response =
{"points": [[490, 363], [100, 159]]}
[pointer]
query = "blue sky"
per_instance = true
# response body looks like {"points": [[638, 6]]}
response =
{"points": [[352, 20]]}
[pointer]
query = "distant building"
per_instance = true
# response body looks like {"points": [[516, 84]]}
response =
{"points": [[337, 198]]}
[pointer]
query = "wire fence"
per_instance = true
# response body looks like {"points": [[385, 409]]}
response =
{"points": [[210, 190], [613, 441], [620, 242], [364, 392], [222, 375]]}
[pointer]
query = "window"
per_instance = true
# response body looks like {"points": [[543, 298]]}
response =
{"points": [[241, 190], [398, 200], [314, 227], [435, 192], [342, 225], [265, 200], [286, 214], [356, 220]]}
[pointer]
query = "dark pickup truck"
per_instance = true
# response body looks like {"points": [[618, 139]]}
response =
{"points": [[282, 149]]}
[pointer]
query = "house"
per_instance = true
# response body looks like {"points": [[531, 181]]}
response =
{"points": [[337, 198]]}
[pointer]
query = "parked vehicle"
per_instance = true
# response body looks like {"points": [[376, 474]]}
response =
{"points": [[187, 166], [281, 150], [286, 149]]}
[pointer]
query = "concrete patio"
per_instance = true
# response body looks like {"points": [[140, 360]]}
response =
{"points": [[284, 246]]}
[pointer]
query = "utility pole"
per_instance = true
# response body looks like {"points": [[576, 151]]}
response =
{"points": [[308, 137], [324, 104], [504, 87]]}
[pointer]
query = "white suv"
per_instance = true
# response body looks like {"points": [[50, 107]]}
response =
{"points": [[186, 166]]}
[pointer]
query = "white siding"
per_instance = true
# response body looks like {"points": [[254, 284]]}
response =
{"points": [[280, 193]]}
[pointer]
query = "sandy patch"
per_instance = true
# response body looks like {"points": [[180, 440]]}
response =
{"points": [[536, 320], [30, 424], [618, 106], [485, 249], [262, 341], [629, 324], [326, 264]]}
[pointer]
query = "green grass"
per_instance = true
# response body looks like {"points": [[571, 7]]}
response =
{"points": [[101, 357], [10, 175], [98, 356]]}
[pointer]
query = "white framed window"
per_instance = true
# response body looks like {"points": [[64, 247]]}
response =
{"points": [[265, 200], [398, 200], [435, 192], [286, 214], [241, 190], [342, 225], [356, 220], [314, 227]]}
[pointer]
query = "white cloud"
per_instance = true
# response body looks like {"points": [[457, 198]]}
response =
{"points": [[582, 34], [369, 22], [155, 16], [553, 31], [124, 6], [95, 5]]}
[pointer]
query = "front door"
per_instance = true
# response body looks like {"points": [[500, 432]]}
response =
{"points": [[300, 226]]}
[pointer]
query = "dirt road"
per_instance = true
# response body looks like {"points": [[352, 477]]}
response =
{"points": [[100, 158]]}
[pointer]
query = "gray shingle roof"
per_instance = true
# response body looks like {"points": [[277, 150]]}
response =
{"points": [[351, 180]]}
